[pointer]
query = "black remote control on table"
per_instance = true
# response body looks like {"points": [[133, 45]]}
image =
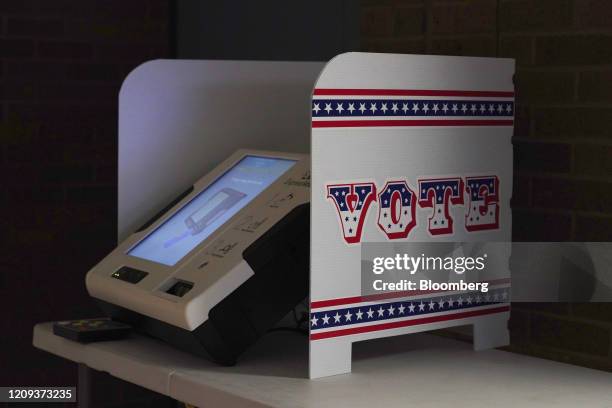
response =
{"points": [[91, 330]]}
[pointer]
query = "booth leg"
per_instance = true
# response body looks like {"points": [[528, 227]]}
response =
{"points": [[491, 332], [330, 357]]}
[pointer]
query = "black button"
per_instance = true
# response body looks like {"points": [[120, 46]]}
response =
{"points": [[127, 274]]}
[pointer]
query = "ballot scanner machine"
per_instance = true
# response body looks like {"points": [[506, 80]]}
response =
{"points": [[222, 264]]}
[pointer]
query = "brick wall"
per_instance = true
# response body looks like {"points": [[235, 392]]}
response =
{"points": [[61, 65], [563, 131]]}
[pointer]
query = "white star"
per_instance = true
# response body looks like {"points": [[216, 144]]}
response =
{"points": [[336, 193], [469, 300], [359, 314], [314, 320], [450, 302], [348, 316], [411, 308], [391, 310], [425, 108], [337, 317], [441, 304], [421, 306], [445, 108], [316, 108], [460, 301], [432, 304], [370, 313], [405, 107], [504, 295], [508, 108], [351, 107], [455, 108], [362, 107], [339, 107], [373, 107], [464, 108], [394, 108], [477, 298], [499, 108], [482, 108], [401, 309], [473, 108], [384, 108], [435, 108], [326, 319], [415, 107], [328, 108], [491, 108], [381, 312]]}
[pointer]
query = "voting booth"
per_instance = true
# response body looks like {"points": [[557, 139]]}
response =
{"points": [[247, 187]]}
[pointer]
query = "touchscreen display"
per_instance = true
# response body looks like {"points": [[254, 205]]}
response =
{"points": [[210, 209]]}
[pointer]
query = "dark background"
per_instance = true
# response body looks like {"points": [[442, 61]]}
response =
{"points": [[62, 63]]}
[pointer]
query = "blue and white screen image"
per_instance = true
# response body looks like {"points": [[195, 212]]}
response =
{"points": [[210, 209]]}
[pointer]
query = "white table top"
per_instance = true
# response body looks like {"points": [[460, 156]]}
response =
{"points": [[414, 370]]}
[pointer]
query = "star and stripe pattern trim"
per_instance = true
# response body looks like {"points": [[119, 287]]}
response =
{"points": [[394, 313], [355, 108]]}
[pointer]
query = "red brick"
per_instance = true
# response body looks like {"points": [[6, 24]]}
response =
{"points": [[20, 7], [542, 157], [570, 335], [595, 86], [376, 22], [544, 86], [584, 195], [574, 49], [64, 49], [66, 8], [35, 27], [572, 122], [97, 93], [95, 72], [409, 21], [534, 225], [522, 121], [475, 46], [593, 228], [415, 46], [26, 70], [539, 15], [593, 160], [518, 47], [521, 191], [593, 311], [18, 90], [123, 53], [15, 48], [593, 13], [119, 9], [468, 17], [120, 32]]}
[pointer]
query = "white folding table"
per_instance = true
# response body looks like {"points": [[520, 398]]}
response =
{"points": [[421, 370]]}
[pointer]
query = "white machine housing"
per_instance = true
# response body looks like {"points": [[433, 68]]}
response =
{"points": [[216, 266]]}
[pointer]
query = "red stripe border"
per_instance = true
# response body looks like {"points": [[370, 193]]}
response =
{"points": [[392, 295], [410, 92], [406, 323], [416, 122]]}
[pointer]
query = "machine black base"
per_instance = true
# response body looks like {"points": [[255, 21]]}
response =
{"points": [[280, 259]]}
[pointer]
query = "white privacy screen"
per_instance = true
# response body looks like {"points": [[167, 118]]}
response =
{"points": [[210, 209]]}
